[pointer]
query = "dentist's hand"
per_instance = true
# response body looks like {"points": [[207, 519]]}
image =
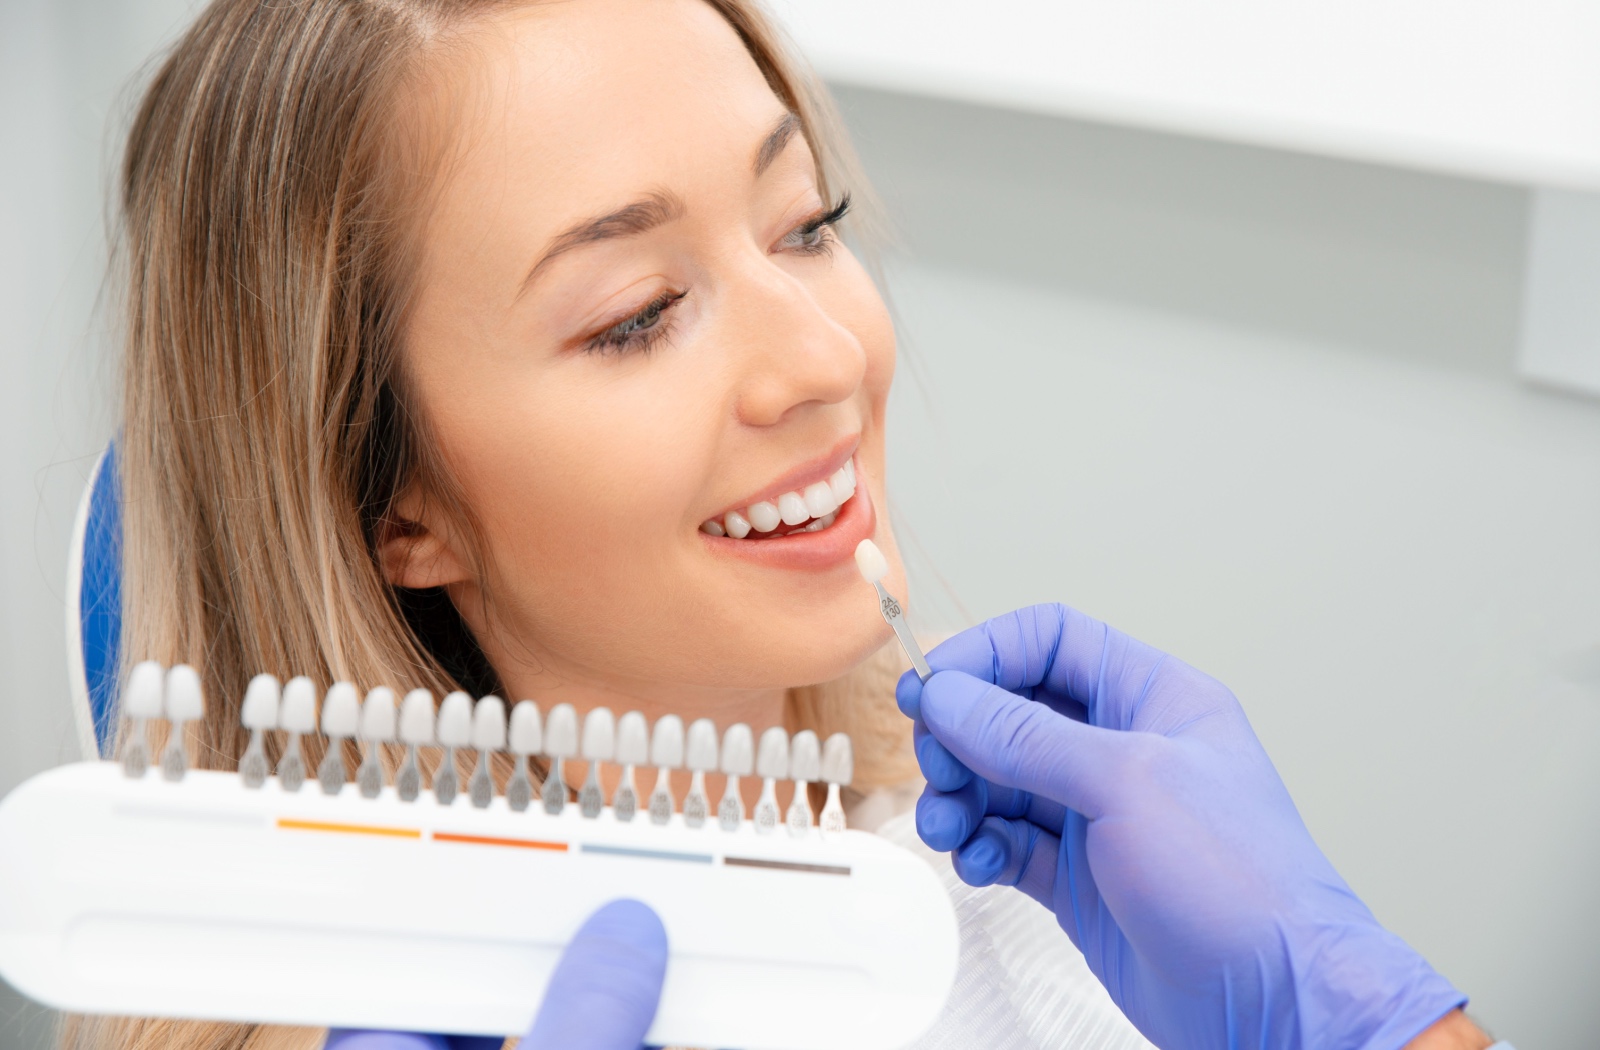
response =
{"points": [[602, 996], [1126, 792]]}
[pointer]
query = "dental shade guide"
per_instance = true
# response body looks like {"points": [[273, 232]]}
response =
{"points": [[259, 714], [666, 754], [560, 743], [416, 731], [772, 765], [874, 567], [179, 925], [453, 730], [376, 729], [488, 736], [700, 755], [805, 766], [526, 739], [142, 703], [599, 745], [633, 749], [341, 717], [182, 704], [297, 716]]}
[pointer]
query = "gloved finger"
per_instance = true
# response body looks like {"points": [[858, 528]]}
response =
{"points": [[1010, 853], [604, 992], [947, 819], [363, 1039], [1023, 744], [908, 694], [939, 767]]}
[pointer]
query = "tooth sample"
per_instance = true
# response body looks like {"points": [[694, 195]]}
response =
{"points": [[772, 765], [560, 742], [701, 757], [183, 705], [840, 486], [736, 524], [738, 760], [764, 516], [296, 717], [453, 730], [259, 714], [599, 745], [805, 765], [527, 738], [838, 767], [633, 749], [666, 754], [341, 716], [377, 727], [488, 736], [142, 703], [819, 499], [416, 730], [792, 508], [713, 527]]}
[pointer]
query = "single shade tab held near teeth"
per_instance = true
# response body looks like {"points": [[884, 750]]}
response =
{"points": [[810, 509], [874, 567]]}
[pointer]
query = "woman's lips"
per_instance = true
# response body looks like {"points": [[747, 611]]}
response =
{"points": [[823, 548]]}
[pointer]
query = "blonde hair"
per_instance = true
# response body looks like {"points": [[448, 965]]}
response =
{"points": [[265, 430]]}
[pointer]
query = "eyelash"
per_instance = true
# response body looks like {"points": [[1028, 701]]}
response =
{"points": [[644, 329]]}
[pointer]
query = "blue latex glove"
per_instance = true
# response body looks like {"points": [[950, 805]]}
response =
{"points": [[1126, 792], [602, 996]]}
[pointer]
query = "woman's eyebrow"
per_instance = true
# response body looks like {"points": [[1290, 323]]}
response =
{"points": [[645, 214], [776, 139]]}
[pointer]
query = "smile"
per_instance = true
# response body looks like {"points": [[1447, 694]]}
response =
{"points": [[809, 509]]}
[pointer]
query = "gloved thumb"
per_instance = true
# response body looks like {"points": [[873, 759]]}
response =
{"points": [[1021, 743], [604, 992]]}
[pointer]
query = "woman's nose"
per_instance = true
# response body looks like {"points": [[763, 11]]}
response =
{"points": [[795, 353]]}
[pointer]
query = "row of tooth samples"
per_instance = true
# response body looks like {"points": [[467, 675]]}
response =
{"points": [[809, 510], [628, 742], [156, 693]]}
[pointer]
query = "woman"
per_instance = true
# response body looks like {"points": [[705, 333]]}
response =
{"points": [[502, 346]]}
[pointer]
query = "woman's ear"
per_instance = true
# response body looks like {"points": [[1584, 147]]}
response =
{"points": [[414, 549]]}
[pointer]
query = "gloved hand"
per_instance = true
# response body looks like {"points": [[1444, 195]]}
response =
{"points": [[602, 996], [1125, 791]]}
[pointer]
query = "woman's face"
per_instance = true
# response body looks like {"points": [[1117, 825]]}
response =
{"points": [[634, 320]]}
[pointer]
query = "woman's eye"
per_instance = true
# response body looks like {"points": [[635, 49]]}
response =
{"points": [[815, 235], [638, 332]]}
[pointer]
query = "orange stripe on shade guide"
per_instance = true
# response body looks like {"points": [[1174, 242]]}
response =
{"points": [[350, 829], [484, 840]]}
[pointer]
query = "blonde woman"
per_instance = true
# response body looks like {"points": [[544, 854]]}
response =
{"points": [[504, 346]]}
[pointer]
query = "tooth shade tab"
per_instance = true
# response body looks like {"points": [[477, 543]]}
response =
{"points": [[298, 713], [146, 686], [599, 735], [455, 720], [772, 757], [838, 760], [633, 740], [341, 710], [183, 701], [527, 735], [870, 560], [416, 718], [378, 715], [701, 751], [489, 724], [805, 756], [764, 516], [260, 707], [736, 524], [792, 509], [561, 732], [666, 742], [738, 751], [819, 499]]}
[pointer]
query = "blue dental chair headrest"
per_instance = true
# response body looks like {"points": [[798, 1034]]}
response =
{"points": [[94, 607]]}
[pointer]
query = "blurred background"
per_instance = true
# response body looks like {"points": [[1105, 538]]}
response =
{"points": [[1267, 332]]}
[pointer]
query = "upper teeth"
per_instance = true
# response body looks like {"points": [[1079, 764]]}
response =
{"points": [[818, 501]]}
